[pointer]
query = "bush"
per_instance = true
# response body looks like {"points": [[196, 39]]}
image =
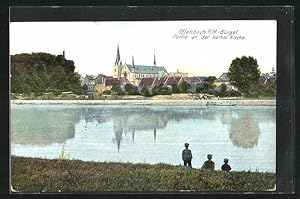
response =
{"points": [[131, 89], [233, 93], [206, 87], [184, 87], [161, 90], [145, 92], [175, 89], [106, 92], [116, 90], [259, 90]]}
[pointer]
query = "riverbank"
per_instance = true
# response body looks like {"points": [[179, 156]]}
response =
{"points": [[42, 175], [221, 102]]}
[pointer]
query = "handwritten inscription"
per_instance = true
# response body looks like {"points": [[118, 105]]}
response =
{"points": [[206, 34]]}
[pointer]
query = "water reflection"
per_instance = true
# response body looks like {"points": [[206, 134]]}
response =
{"points": [[243, 126], [133, 121], [45, 125], [42, 126], [244, 131]]}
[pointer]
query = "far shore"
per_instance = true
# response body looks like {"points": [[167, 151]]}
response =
{"points": [[220, 102]]}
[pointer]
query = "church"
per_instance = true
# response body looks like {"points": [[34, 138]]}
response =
{"points": [[134, 72]]}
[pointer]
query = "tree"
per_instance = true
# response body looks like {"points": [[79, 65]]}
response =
{"points": [[175, 89], [161, 90], [223, 88], [131, 89], [43, 72], [205, 88], [84, 89], [116, 90], [259, 90], [211, 79], [106, 92], [145, 92], [184, 87], [244, 73]]}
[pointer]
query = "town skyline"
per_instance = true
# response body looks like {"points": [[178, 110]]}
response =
{"points": [[93, 45]]}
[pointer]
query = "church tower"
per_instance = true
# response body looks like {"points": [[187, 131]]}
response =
{"points": [[118, 65]]}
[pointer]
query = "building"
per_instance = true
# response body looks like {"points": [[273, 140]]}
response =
{"points": [[203, 78], [91, 81], [224, 79], [266, 78], [135, 72], [147, 82], [173, 81], [108, 82], [177, 74], [194, 82], [169, 81], [150, 82]]}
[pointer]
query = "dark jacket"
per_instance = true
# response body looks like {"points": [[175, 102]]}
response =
{"points": [[187, 154], [209, 164], [226, 167]]}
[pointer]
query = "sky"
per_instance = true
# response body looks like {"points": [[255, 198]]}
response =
{"points": [[178, 45]]}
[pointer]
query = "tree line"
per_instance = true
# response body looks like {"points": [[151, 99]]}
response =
{"points": [[43, 72], [244, 74]]}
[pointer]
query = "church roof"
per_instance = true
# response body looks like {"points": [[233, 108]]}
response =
{"points": [[146, 69]]}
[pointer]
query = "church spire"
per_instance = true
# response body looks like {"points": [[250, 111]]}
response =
{"points": [[132, 60], [118, 58], [154, 62]]}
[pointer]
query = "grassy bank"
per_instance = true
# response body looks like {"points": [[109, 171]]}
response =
{"points": [[41, 175]]}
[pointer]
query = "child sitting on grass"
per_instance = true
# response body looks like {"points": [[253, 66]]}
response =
{"points": [[226, 166]]}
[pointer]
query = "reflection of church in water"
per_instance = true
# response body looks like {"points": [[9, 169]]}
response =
{"points": [[147, 119], [123, 124], [243, 127]]}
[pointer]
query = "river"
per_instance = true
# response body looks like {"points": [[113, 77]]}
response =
{"points": [[246, 135]]}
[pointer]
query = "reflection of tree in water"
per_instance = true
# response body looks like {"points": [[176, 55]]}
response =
{"points": [[243, 125], [42, 126], [244, 131]]}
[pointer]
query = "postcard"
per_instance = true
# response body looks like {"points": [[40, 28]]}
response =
{"points": [[143, 106]]}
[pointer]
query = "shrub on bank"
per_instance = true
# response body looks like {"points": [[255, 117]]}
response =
{"points": [[41, 175]]}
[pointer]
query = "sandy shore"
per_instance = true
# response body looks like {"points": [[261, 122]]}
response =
{"points": [[221, 102]]}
